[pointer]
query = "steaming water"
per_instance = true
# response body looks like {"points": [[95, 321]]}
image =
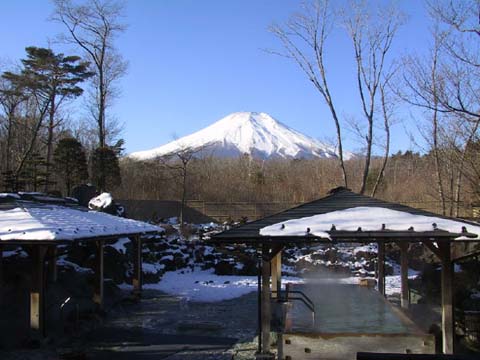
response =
{"points": [[343, 308]]}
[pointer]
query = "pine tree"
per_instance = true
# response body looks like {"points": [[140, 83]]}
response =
{"points": [[52, 79], [9, 181], [70, 163], [105, 169], [33, 175]]}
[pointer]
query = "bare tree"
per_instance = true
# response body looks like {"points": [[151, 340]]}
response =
{"points": [[304, 39], [424, 82], [11, 97], [461, 34], [446, 86], [372, 35], [178, 164], [93, 26], [387, 113]]}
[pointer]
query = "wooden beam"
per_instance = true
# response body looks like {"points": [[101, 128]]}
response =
{"points": [[99, 276], [271, 251], [52, 264], [277, 275], [37, 291], [137, 265], [405, 298], [464, 250], [266, 312], [381, 267], [434, 249], [448, 324]]}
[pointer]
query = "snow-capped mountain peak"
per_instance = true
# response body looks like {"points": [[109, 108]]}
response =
{"points": [[253, 133]]}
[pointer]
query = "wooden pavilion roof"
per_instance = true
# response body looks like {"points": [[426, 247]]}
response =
{"points": [[341, 199], [36, 218]]}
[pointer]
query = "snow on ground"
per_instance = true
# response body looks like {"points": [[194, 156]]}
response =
{"points": [[13, 195], [205, 286], [119, 245], [17, 252], [393, 283], [369, 248], [152, 268], [369, 218], [61, 261]]}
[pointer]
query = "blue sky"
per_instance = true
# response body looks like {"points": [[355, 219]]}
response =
{"points": [[192, 62]]}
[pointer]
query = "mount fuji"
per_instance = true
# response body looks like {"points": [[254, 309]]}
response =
{"points": [[252, 133]]}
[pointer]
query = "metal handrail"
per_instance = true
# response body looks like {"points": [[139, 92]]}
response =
{"points": [[304, 298], [312, 309]]}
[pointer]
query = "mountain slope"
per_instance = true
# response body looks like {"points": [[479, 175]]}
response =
{"points": [[256, 134]]}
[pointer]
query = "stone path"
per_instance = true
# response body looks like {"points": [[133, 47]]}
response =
{"points": [[161, 326], [166, 327]]}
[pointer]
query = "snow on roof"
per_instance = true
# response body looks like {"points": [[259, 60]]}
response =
{"points": [[368, 218], [47, 222]]}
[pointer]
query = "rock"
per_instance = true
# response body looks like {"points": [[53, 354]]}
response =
{"points": [[225, 268]]}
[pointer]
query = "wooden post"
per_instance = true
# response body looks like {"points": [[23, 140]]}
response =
{"points": [[405, 298], [277, 275], [37, 291], [137, 266], [1, 274], [447, 298], [266, 312], [98, 287], [52, 264], [381, 267], [259, 303], [443, 252]]}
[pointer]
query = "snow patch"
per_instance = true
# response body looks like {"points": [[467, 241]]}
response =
{"points": [[152, 269], [65, 263], [119, 245], [102, 201], [205, 286]]}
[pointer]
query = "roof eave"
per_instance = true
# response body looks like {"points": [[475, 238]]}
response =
{"points": [[349, 236], [69, 241]]}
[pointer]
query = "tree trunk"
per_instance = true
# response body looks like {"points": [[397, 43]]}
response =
{"points": [[382, 169], [458, 190], [184, 194], [101, 117], [340, 146], [11, 116], [51, 125], [386, 125], [32, 142], [438, 171], [368, 155]]}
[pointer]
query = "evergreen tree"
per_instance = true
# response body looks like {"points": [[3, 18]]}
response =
{"points": [[70, 163], [105, 169], [9, 181], [51, 78], [33, 175]]}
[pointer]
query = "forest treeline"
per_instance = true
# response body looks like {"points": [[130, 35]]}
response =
{"points": [[409, 178]]}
